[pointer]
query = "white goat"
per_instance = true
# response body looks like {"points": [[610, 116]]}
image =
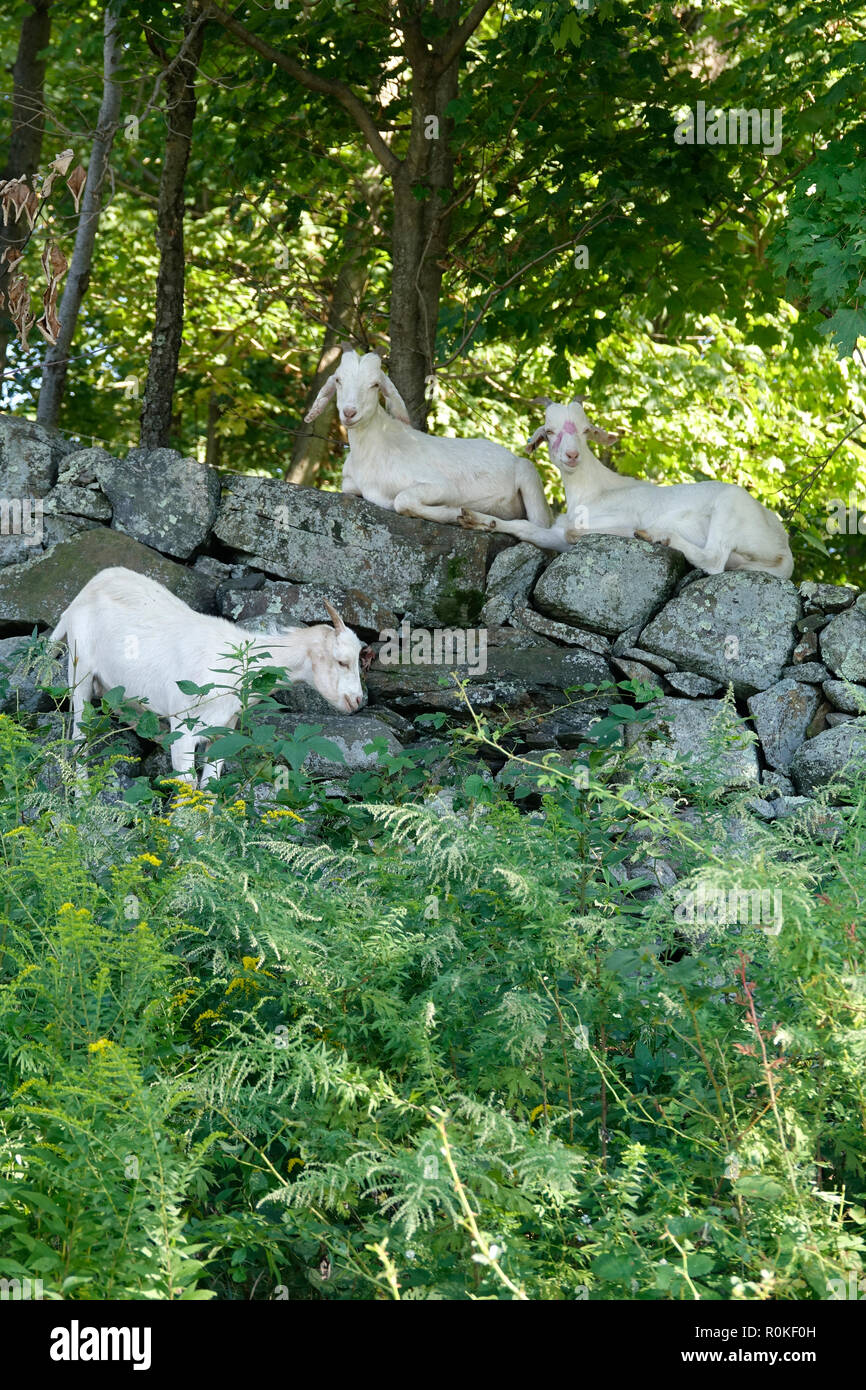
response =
{"points": [[124, 629], [417, 474], [716, 526]]}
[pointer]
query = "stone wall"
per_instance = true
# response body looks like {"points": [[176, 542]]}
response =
{"points": [[790, 660]]}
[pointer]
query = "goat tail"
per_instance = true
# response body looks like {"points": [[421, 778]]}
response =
{"points": [[532, 495]]}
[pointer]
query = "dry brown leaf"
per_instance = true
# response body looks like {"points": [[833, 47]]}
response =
{"points": [[11, 255], [62, 162], [54, 263], [14, 197], [31, 207], [49, 323], [19, 308], [75, 183]]}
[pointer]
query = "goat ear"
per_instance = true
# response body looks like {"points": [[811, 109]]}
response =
{"points": [[579, 400], [536, 439], [339, 625], [541, 400], [394, 401], [600, 436], [322, 399], [366, 657]]}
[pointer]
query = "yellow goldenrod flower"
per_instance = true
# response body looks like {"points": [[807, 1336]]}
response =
{"points": [[101, 1045]]}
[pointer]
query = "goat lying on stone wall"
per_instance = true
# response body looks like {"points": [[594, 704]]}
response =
{"points": [[123, 629], [417, 474], [716, 526]]}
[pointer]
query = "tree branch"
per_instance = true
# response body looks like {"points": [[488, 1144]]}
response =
{"points": [[461, 36], [315, 82]]}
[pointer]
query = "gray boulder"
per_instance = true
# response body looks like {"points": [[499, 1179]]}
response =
{"points": [[843, 645], [737, 626], [702, 735], [36, 594], [834, 756], [782, 716], [608, 583], [436, 573], [845, 696], [160, 498], [30, 456], [293, 605], [810, 672], [827, 598], [510, 580]]}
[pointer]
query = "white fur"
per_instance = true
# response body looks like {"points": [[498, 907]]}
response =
{"points": [[716, 526], [124, 629], [419, 474]]}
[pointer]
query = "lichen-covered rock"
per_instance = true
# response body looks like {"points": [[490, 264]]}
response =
{"points": [[351, 733], [843, 645], [36, 594], [524, 616], [160, 498], [737, 626], [510, 580], [30, 456], [24, 669], [827, 598], [78, 501], [433, 572], [608, 583], [810, 672], [782, 715], [834, 756], [292, 605], [846, 696], [702, 735]]}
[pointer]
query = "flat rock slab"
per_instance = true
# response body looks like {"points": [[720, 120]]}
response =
{"points": [[836, 755], [843, 645], [782, 715], [435, 573], [513, 677], [704, 734], [292, 605], [608, 583], [36, 594], [524, 616], [737, 626], [160, 498]]}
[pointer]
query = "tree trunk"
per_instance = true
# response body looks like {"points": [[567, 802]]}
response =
{"points": [[423, 188], [57, 357], [180, 95], [28, 127], [311, 445]]}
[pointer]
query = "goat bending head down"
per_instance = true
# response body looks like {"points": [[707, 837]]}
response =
{"points": [[125, 630]]}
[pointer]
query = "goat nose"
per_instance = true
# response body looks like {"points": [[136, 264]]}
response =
{"points": [[349, 412]]}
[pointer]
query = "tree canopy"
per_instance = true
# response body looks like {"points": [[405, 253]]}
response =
{"points": [[492, 195]]}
